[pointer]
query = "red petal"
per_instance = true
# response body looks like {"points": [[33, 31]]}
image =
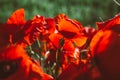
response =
{"points": [[26, 66], [66, 24], [104, 41], [55, 38], [68, 48], [95, 41], [113, 24], [4, 35], [105, 46], [73, 71], [48, 77], [79, 40], [68, 34], [33, 28], [50, 26], [17, 17], [15, 22]]}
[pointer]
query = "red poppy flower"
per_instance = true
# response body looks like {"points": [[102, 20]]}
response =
{"points": [[68, 38], [105, 47], [13, 27], [67, 46], [16, 65], [70, 29], [68, 49], [20, 31]]}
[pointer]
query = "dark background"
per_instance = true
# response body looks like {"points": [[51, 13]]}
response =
{"points": [[86, 11]]}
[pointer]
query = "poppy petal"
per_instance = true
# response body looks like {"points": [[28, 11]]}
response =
{"points": [[50, 26], [66, 24], [17, 17], [80, 40], [55, 38], [113, 24]]}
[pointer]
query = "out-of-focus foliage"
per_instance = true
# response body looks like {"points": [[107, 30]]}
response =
{"points": [[85, 11]]}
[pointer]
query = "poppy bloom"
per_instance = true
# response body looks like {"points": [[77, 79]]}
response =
{"points": [[16, 65], [66, 46], [67, 39], [69, 29], [105, 47], [18, 30], [14, 61], [12, 27], [15, 24]]}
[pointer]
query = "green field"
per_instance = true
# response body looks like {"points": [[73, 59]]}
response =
{"points": [[86, 11]]}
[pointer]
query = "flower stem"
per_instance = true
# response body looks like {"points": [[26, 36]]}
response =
{"points": [[117, 2]]}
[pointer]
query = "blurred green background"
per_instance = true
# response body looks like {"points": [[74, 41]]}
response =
{"points": [[86, 11]]}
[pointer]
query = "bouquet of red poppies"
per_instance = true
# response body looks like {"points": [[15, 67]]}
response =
{"points": [[58, 48]]}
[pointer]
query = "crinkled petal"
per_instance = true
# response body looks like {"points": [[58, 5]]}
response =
{"points": [[66, 24]]}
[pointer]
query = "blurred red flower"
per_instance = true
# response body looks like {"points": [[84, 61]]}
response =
{"points": [[70, 29], [67, 39], [105, 47], [17, 30], [13, 26], [16, 65]]}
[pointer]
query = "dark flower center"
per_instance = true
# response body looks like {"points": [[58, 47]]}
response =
{"points": [[8, 68]]}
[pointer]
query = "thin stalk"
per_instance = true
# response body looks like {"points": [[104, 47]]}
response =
{"points": [[117, 2]]}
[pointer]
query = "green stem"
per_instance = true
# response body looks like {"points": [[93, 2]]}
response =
{"points": [[117, 2]]}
